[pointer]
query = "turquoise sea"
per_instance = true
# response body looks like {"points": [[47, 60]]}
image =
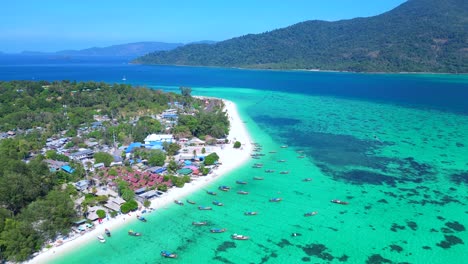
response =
{"points": [[394, 146]]}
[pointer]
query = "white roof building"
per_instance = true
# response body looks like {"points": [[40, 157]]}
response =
{"points": [[158, 138]]}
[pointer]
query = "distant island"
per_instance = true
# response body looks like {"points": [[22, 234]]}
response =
{"points": [[417, 36], [131, 50]]}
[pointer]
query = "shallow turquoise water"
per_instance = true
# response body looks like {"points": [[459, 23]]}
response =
{"points": [[403, 171]]}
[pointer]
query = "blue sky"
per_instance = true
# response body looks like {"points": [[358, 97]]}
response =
{"points": [[51, 25]]}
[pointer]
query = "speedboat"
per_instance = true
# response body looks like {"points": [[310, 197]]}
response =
{"points": [[301, 157], [101, 239], [276, 199], [204, 208], [258, 178], [310, 213], [239, 237], [108, 233], [251, 213], [218, 203], [339, 202], [224, 188], [133, 233], [199, 223], [241, 182], [218, 230], [284, 146], [273, 151], [210, 193], [307, 179], [168, 254], [179, 202], [242, 192], [141, 218], [284, 172], [191, 202], [269, 171], [281, 161]]}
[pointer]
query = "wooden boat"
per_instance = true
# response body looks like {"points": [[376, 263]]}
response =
{"points": [[276, 199], [243, 192], [218, 203], [168, 254], [310, 213], [300, 151], [258, 164], [224, 188], [218, 230], [301, 157], [273, 151], [257, 167], [284, 172], [101, 239], [241, 182], [269, 171], [307, 179], [239, 237], [339, 202], [204, 208], [108, 233], [179, 202], [258, 178], [199, 223], [255, 157], [251, 213], [191, 202], [210, 193], [281, 161], [132, 233], [141, 218]]}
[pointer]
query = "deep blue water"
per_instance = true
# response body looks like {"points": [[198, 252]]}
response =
{"points": [[443, 92]]}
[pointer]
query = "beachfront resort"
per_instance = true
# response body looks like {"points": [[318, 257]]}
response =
{"points": [[109, 160]]}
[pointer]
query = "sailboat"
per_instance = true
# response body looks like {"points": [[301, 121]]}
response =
{"points": [[124, 79]]}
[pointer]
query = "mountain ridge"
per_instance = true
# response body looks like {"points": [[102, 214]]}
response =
{"points": [[417, 36]]}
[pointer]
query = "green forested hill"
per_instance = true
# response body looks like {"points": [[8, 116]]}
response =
{"points": [[417, 36]]}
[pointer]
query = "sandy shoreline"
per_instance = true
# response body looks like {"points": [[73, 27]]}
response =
{"points": [[229, 157]]}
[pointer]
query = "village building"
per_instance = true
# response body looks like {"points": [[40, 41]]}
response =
{"points": [[82, 154], [158, 139]]}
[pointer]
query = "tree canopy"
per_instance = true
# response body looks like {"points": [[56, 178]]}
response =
{"points": [[417, 36]]}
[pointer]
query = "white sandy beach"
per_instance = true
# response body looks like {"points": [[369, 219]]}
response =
{"points": [[229, 157]]}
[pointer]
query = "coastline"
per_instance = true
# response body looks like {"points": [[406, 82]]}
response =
{"points": [[229, 157], [304, 70]]}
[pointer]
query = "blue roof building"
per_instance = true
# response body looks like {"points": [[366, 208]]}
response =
{"points": [[68, 169], [132, 146]]}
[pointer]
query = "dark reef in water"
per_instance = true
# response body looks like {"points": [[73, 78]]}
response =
{"points": [[224, 260], [276, 121], [459, 178], [412, 225], [450, 240], [455, 226], [396, 226], [396, 248], [317, 250], [225, 246], [283, 243], [377, 259]]}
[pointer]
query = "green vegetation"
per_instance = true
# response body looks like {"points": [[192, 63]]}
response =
{"points": [[157, 158], [213, 122], [417, 36], [33, 208], [237, 144], [211, 159], [131, 205], [101, 213], [53, 155], [103, 157]]}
